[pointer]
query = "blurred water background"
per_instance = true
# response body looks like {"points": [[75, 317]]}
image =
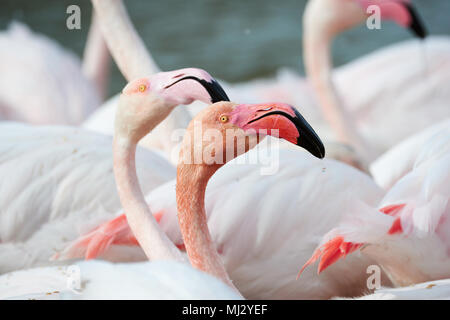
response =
{"points": [[234, 40]]}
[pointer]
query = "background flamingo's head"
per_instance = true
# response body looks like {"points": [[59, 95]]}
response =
{"points": [[182, 86], [400, 11], [330, 17], [147, 101], [225, 130]]}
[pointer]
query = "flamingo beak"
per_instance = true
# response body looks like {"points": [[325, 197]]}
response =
{"points": [[285, 119], [213, 88], [416, 25]]}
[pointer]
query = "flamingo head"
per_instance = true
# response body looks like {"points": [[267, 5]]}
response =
{"points": [[147, 101], [400, 11], [330, 17], [227, 130], [280, 120]]}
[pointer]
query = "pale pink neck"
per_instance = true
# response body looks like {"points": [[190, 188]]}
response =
{"points": [[154, 242], [131, 55], [318, 64], [124, 43], [96, 58], [191, 186]]}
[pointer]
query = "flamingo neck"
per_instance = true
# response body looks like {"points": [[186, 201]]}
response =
{"points": [[123, 41], [154, 242], [191, 186], [132, 57], [96, 58], [318, 64]]}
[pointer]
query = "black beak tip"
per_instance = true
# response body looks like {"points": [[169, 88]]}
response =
{"points": [[217, 93], [313, 146], [417, 26], [213, 88], [308, 138]]}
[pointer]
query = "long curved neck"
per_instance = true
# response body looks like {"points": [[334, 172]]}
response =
{"points": [[124, 43], [131, 55], [96, 58], [154, 242], [191, 186], [318, 64]]}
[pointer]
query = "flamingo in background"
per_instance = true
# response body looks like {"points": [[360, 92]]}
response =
{"points": [[409, 236], [34, 83]]}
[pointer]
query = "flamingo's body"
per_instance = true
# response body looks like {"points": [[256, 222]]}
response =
{"points": [[399, 160], [410, 237], [65, 177], [34, 84], [104, 280]]}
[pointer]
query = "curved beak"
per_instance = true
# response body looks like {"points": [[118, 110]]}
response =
{"points": [[281, 120], [213, 88], [416, 26]]}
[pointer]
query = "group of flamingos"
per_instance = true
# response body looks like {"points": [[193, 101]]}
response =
{"points": [[378, 196]]}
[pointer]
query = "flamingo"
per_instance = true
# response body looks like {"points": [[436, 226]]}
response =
{"points": [[409, 235], [50, 97], [243, 122], [71, 173]]}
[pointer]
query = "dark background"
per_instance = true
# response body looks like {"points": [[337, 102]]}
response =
{"points": [[235, 40]]}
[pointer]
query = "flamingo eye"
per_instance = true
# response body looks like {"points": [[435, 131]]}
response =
{"points": [[223, 119], [142, 87]]}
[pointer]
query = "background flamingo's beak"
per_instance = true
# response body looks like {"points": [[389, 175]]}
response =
{"points": [[416, 26], [213, 87]]}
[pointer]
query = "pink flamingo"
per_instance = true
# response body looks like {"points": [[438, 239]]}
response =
{"points": [[409, 235]]}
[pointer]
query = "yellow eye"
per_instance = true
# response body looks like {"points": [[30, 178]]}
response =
{"points": [[142, 87], [223, 119]]}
